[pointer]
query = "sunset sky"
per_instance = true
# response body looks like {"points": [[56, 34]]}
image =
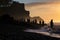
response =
{"points": [[46, 9]]}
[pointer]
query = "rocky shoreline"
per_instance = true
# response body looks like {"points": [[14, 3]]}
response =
{"points": [[35, 36]]}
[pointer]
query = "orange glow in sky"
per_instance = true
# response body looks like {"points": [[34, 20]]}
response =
{"points": [[45, 11]]}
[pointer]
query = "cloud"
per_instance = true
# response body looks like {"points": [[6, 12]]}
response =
{"points": [[31, 1]]}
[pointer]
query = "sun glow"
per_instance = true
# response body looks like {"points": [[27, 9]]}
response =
{"points": [[45, 11]]}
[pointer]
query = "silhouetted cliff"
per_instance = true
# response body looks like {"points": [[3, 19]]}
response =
{"points": [[13, 8]]}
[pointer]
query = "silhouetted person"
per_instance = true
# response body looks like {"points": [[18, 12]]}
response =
{"points": [[51, 23], [51, 26], [42, 23], [28, 20]]}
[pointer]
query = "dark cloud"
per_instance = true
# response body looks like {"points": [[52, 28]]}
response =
{"points": [[31, 1]]}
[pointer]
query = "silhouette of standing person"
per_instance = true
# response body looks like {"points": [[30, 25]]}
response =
{"points": [[51, 24]]}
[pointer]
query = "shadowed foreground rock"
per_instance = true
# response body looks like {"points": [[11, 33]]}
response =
{"points": [[34, 36]]}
